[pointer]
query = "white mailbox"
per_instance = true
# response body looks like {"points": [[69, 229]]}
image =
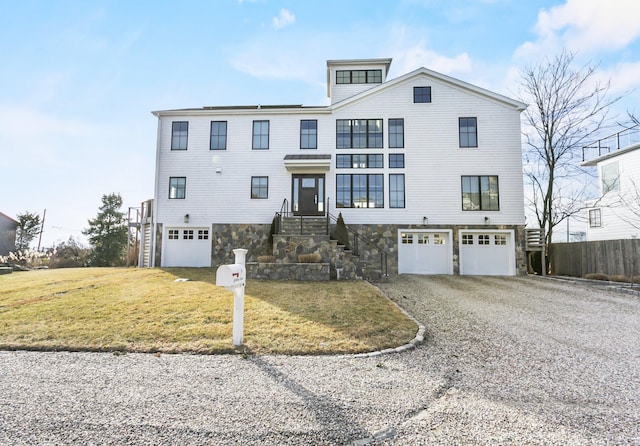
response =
{"points": [[230, 276]]}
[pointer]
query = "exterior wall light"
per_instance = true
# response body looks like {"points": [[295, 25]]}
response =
{"points": [[486, 220], [186, 218]]}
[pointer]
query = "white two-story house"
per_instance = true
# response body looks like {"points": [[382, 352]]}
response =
{"points": [[615, 214], [425, 167]]}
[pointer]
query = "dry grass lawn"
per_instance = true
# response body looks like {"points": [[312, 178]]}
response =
{"points": [[146, 310]]}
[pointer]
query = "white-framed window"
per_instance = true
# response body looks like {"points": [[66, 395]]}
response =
{"points": [[174, 234], [203, 234], [500, 239], [438, 239], [484, 239], [187, 234], [467, 239], [610, 178], [423, 239]]}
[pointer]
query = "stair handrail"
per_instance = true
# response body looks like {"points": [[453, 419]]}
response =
{"points": [[357, 237]]}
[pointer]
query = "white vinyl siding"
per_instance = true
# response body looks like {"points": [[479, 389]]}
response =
{"points": [[433, 166]]}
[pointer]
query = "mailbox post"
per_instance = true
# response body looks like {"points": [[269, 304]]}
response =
{"points": [[233, 278]]}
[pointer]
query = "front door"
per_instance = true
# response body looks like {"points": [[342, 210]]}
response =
{"points": [[308, 194]]}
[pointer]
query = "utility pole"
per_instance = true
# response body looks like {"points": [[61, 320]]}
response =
{"points": [[44, 215]]}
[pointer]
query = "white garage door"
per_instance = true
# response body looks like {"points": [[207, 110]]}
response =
{"points": [[187, 247], [487, 253], [424, 252]]}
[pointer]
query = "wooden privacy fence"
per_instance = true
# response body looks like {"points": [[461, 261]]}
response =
{"points": [[610, 257]]}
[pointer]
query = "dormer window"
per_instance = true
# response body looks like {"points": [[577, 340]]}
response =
{"points": [[359, 77]]}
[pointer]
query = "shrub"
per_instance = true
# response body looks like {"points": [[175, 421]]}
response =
{"points": [[309, 258], [266, 259], [596, 276], [619, 278], [341, 233], [70, 254]]}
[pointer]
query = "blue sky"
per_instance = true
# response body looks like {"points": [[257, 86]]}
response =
{"points": [[80, 78]]}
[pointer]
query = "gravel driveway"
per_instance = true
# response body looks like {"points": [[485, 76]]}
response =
{"points": [[506, 361]]}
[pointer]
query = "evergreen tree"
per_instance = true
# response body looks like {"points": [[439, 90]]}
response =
{"points": [[28, 228], [108, 233], [341, 233]]}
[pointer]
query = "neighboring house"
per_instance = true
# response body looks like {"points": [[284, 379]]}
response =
{"points": [[7, 234], [615, 214], [425, 167]]}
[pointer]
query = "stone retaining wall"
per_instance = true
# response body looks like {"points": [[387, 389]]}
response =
{"points": [[304, 272]]}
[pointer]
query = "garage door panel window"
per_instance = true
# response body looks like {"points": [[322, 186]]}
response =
{"points": [[203, 234], [483, 239], [407, 239], [187, 234], [174, 234], [423, 239], [501, 239], [438, 239], [480, 193], [467, 239]]}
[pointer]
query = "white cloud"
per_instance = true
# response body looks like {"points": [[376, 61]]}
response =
{"points": [[419, 55], [585, 26], [285, 18], [409, 54]]}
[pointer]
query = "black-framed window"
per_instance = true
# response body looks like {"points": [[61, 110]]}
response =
{"points": [[308, 134], [355, 161], [396, 160], [421, 94], [480, 193], [260, 187], [396, 133], [396, 190], [468, 131], [260, 135], [218, 139], [177, 187], [358, 76], [595, 218], [179, 135], [358, 133], [360, 191]]}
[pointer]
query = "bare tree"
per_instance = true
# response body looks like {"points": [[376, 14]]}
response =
{"points": [[568, 108]]}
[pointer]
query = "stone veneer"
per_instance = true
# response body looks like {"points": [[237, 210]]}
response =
{"points": [[385, 237], [255, 238], [304, 272]]}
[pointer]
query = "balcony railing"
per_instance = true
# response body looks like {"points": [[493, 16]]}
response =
{"points": [[617, 141]]}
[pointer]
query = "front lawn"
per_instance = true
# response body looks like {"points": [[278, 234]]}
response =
{"points": [[146, 310]]}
